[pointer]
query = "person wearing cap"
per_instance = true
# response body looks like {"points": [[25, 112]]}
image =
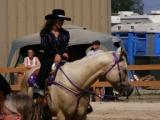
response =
{"points": [[54, 40], [95, 49]]}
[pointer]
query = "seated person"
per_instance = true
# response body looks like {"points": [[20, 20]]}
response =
{"points": [[31, 60], [95, 49]]}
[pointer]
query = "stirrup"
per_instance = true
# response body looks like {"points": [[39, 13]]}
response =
{"points": [[37, 90]]}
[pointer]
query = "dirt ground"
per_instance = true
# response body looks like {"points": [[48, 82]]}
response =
{"points": [[142, 110]]}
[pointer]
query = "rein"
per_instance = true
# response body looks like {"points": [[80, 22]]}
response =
{"points": [[78, 94], [116, 62], [74, 92]]}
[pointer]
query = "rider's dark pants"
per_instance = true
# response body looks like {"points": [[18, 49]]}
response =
{"points": [[43, 72]]}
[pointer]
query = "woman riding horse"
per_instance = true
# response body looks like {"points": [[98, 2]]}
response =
{"points": [[68, 96], [55, 40]]}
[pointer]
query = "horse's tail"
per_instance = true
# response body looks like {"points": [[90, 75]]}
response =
{"points": [[24, 86]]}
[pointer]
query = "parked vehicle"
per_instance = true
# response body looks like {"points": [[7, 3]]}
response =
{"points": [[80, 40]]}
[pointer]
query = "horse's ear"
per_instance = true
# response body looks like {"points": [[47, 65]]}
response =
{"points": [[121, 55]]}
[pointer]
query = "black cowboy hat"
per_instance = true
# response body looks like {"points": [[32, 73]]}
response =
{"points": [[57, 14]]}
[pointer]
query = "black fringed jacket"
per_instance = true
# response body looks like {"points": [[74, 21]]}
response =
{"points": [[53, 45]]}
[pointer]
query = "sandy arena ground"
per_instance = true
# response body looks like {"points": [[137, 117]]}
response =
{"points": [[125, 111]]}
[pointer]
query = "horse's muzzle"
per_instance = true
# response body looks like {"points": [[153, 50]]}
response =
{"points": [[127, 90], [124, 90]]}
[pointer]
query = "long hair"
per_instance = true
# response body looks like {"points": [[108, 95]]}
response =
{"points": [[1, 100], [48, 26], [4, 86], [23, 104]]}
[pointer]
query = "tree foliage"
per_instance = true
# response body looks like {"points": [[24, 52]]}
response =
{"points": [[127, 5]]}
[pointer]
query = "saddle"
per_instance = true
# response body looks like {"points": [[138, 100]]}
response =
{"points": [[50, 79]]}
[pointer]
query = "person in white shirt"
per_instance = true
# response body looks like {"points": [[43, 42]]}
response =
{"points": [[31, 60], [95, 49]]}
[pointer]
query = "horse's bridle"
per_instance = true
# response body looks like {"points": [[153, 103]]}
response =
{"points": [[117, 60]]}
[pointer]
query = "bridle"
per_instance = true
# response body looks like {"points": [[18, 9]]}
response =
{"points": [[117, 60], [120, 85]]}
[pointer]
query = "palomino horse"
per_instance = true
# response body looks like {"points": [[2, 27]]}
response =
{"points": [[68, 98]]}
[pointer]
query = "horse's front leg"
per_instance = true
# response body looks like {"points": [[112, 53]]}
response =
{"points": [[60, 115], [82, 118]]}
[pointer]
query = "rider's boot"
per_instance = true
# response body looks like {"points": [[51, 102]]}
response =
{"points": [[38, 90]]}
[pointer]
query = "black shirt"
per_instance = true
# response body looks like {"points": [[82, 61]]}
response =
{"points": [[53, 45]]}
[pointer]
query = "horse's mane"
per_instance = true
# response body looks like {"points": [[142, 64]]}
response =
{"points": [[92, 57]]}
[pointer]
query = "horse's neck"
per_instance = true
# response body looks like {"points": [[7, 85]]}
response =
{"points": [[96, 68], [89, 70]]}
